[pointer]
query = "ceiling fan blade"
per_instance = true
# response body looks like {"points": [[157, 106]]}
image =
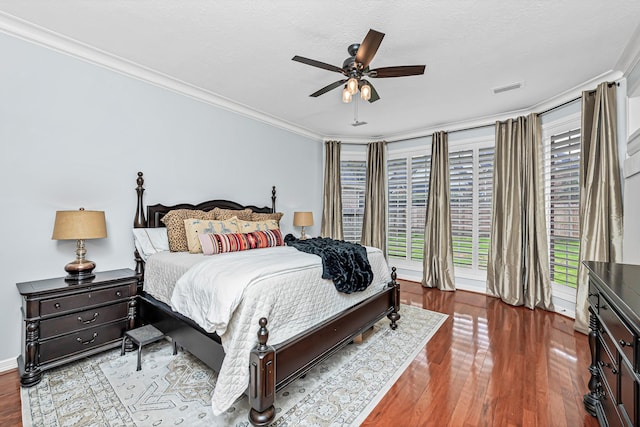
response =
{"points": [[399, 71], [318, 64], [369, 47], [374, 93], [328, 88]]}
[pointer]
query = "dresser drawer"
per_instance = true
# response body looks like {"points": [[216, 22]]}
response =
{"points": [[77, 342], [83, 319], [85, 299], [609, 369], [620, 333], [627, 401]]}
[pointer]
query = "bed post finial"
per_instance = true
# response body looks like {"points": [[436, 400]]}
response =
{"points": [[394, 316], [262, 383], [273, 199], [139, 221]]}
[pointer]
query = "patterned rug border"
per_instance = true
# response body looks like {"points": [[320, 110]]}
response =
{"points": [[403, 367], [113, 411]]}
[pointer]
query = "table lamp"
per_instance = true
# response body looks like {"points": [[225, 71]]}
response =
{"points": [[303, 219], [79, 225]]}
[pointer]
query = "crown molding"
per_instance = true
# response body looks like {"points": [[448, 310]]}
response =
{"points": [[630, 56], [35, 34], [19, 28]]}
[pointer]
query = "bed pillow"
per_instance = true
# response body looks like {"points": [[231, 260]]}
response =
{"points": [[218, 243], [194, 227], [149, 241], [250, 226], [264, 216], [174, 220], [244, 214]]}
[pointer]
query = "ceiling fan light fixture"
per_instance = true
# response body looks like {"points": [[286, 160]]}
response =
{"points": [[352, 85], [346, 95], [365, 91]]}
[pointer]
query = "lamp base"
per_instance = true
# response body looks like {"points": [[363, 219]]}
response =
{"points": [[79, 270]]}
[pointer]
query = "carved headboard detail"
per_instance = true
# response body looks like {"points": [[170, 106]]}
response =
{"points": [[154, 213]]}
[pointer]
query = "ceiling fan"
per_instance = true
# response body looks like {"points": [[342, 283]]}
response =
{"points": [[356, 68]]}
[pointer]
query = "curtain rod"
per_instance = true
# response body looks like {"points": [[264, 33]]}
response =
{"points": [[578, 98]]}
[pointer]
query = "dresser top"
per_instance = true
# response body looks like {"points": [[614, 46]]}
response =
{"points": [[59, 283], [620, 283]]}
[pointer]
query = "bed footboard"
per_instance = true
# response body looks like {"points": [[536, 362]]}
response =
{"points": [[296, 356]]}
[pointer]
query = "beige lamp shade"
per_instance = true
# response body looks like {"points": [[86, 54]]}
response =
{"points": [[79, 225], [303, 219]]}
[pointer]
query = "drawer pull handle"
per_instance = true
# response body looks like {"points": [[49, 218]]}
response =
{"points": [[610, 366], [118, 294], [86, 322], [56, 305], [93, 338], [625, 344]]}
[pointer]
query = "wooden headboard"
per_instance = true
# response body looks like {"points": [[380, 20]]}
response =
{"points": [[154, 213]]}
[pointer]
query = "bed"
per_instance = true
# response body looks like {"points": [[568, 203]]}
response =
{"points": [[271, 365]]}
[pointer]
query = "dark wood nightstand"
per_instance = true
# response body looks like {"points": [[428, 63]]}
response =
{"points": [[65, 321]]}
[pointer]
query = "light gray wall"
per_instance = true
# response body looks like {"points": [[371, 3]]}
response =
{"points": [[75, 134]]}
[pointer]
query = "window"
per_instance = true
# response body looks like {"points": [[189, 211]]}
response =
{"points": [[408, 188], [353, 175], [461, 205], [471, 190], [485, 201], [562, 173]]}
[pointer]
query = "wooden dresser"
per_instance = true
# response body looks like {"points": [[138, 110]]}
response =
{"points": [[614, 339], [64, 321]]}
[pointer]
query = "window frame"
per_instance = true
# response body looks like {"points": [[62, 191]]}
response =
{"points": [[474, 144], [351, 156], [406, 153], [555, 127]]}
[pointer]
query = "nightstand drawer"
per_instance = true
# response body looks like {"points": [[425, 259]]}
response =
{"points": [[81, 341], [83, 319], [620, 333], [85, 299]]}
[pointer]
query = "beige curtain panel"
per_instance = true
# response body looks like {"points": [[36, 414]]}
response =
{"points": [[601, 210], [518, 266], [437, 267], [332, 199], [374, 222]]}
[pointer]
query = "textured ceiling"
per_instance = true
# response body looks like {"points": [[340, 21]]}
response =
{"points": [[242, 50]]}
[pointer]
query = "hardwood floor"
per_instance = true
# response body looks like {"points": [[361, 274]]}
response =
{"points": [[490, 364], [10, 409]]}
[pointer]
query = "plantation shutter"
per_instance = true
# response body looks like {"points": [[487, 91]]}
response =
{"points": [[485, 199], [420, 171], [397, 185], [352, 180], [461, 191], [563, 197]]}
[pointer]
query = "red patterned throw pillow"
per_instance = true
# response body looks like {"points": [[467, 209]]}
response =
{"points": [[232, 242]]}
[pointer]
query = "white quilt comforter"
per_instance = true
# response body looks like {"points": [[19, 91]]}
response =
{"points": [[229, 293]]}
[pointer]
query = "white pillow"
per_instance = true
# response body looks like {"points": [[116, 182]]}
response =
{"points": [[149, 241]]}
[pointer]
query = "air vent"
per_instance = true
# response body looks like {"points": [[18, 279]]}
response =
{"points": [[507, 88]]}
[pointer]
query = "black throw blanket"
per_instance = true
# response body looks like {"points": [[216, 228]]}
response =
{"points": [[343, 262]]}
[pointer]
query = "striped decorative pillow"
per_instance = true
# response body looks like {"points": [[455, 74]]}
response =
{"points": [[232, 242]]}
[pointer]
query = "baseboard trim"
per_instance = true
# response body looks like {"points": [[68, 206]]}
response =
{"points": [[8, 364], [561, 305]]}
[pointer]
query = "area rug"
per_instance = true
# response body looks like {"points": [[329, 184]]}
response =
{"points": [[106, 390]]}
